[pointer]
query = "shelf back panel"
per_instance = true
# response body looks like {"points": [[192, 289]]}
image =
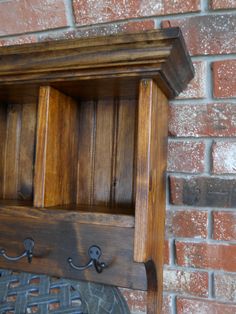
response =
{"points": [[17, 147], [106, 153]]}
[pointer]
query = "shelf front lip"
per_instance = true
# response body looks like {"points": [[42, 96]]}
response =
{"points": [[57, 213]]}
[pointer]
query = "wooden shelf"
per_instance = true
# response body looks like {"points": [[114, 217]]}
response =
{"points": [[83, 143], [69, 213]]}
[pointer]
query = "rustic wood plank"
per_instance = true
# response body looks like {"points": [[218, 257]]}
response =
{"points": [[27, 151], [124, 172], [106, 216], [3, 129], [57, 149], [12, 152], [86, 155], [103, 154], [116, 244], [150, 193]]}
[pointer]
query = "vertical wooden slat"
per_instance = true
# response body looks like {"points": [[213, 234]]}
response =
{"points": [[12, 152], [125, 153], [27, 150], [150, 189], [3, 128], [87, 131], [57, 149], [103, 153]]}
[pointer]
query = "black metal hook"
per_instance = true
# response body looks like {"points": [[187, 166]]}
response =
{"points": [[94, 253], [29, 246]]}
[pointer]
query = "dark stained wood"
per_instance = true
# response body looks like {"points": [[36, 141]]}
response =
{"points": [[150, 193], [98, 176], [106, 153], [103, 153], [18, 126], [123, 176], [3, 129], [57, 149], [147, 54], [81, 213], [56, 240]]}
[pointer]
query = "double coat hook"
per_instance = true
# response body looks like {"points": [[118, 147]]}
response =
{"points": [[28, 252]]}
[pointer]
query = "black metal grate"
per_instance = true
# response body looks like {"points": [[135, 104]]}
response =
{"points": [[25, 293]]}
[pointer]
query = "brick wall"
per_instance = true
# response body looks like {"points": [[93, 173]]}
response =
{"points": [[200, 252]]}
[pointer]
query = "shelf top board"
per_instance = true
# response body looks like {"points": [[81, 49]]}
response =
{"points": [[157, 54]]}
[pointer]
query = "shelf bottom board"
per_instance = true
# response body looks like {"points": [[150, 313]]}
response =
{"points": [[97, 215]]}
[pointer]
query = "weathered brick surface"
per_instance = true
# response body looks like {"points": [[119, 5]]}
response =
{"points": [[206, 255], [203, 191], [29, 16], [223, 4], [224, 78], [19, 40], [197, 87], [224, 157], [166, 305], [224, 226], [186, 224], [203, 120], [186, 156], [208, 34], [136, 299], [102, 30], [194, 306], [94, 12], [186, 282], [225, 287]]}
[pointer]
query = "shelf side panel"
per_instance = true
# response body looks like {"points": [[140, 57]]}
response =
{"points": [[151, 188], [57, 149]]}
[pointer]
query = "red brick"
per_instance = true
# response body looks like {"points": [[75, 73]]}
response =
{"points": [[186, 156], [206, 255], [186, 282], [223, 4], [203, 120], [203, 191], [195, 306], [224, 226], [197, 86], [208, 34], [224, 157], [102, 30], [89, 12], [23, 39], [30, 16], [136, 300], [224, 79], [225, 287], [167, 252], [186, 224]]}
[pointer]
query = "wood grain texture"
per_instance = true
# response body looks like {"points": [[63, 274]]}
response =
{"points": [[56, 240], [18, 128], [132, 55], [57, 149], [150, 189], [106, 153], [99, 173]]}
